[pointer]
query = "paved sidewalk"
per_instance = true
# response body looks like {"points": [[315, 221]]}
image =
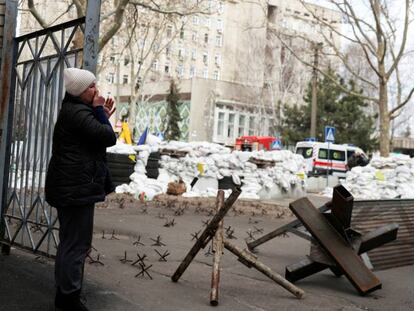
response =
{"points": [[26, 282]]}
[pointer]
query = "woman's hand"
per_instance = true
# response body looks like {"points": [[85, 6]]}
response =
{"points": [[98, 100], [109, 107]]}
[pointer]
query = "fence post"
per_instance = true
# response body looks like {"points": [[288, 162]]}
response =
{"points": [[91, 41], [6, 109]]}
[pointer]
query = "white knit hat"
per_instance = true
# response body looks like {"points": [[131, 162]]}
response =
{"points": [[77, 80]]}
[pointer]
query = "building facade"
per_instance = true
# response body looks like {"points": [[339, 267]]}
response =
{"points": [[233, 65]]}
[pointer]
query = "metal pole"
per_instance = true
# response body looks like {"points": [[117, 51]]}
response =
{"points": [[327, 166], [91, 42], [314, 104], [6, 101], [118, 80]]}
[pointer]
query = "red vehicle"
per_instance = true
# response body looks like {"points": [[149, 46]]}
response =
{"points": [[252, 143]]}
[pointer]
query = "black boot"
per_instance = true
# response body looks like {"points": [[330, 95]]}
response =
{"points": [[69, 302]]}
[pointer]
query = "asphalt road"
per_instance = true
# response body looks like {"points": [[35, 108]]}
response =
{"points": [[26, 282]]}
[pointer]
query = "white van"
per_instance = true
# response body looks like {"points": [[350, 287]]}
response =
{"points": [[318, 161]]}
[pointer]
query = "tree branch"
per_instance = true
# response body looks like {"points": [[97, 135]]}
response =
{"points": [[36, 14], [157, 8], [392, 111], [118, 19], [403, 42], [80, 7], [324, 73]]}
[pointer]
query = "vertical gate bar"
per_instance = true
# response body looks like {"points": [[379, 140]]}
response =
{"points": [[45, 118], [43, 154], [52, 112], [35, 167], [91, 44], [7, 85], [26, 114], [30, 145], [22, 117]]}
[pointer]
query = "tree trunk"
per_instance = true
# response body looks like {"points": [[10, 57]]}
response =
{"points": [[384, 120]]}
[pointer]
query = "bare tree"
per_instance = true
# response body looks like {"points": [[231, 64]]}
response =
{"points": [[114, 12], [382, 39], [147, 29]]}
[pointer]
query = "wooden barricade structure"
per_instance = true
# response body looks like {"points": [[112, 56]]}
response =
{"points": [[214, 230]]}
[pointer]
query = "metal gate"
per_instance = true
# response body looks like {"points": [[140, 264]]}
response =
{"points": [[35, 95]]}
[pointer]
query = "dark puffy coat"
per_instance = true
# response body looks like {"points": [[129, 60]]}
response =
{"points": [[77, 173]]}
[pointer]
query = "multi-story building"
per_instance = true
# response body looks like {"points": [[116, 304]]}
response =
{"points": [[231, 66]]}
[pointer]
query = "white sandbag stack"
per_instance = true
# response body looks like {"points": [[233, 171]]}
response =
{"points": [[383, 178], [211, 162]]}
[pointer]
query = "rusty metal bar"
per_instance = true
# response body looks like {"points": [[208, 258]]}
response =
{"points": [[207, 234], [342, 204], [250, 261], [218, 250], [367, 242], [337, 248], [290, 227]]}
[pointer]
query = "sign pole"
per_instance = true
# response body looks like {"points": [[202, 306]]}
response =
{"points": [[328, 168]]}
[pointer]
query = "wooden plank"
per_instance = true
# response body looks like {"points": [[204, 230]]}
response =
{"points": [[218, 251], [250, 261], [336, 247], [207, 234]]}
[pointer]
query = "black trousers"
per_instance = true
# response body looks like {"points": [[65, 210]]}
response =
{"points": [[75, 240]]}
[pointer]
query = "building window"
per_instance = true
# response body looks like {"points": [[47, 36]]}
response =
{"points": [[194, 36], [206, 38], [192, 71], [167, 68], [205, 73], [252, 125], [242, 124], [125, 79], [220, 124], [220, 7], [180, 70], [126, 61], [195, 20], [193, 54], [207, 22], [154, 65], [219, 40], [181, 53], [112, 59], [230, 125], [169, 31], [141, 44], [219, 25], [205, 58], [168, 51], [182, 33], [110, 78], [217, 59], [216, 75]]}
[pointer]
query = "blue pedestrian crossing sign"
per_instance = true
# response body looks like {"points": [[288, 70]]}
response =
{"points": [[277, 144], [329, 134]]}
